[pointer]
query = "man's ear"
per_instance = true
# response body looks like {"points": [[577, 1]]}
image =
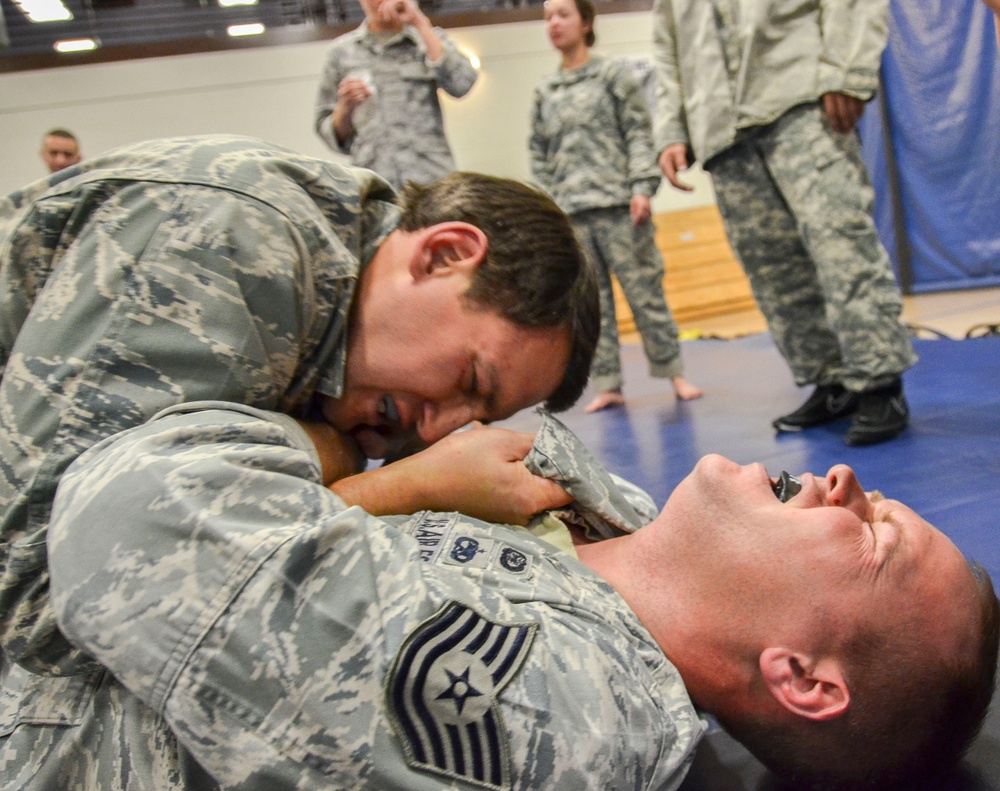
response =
{"points": [[811, 688], [446, 248]]}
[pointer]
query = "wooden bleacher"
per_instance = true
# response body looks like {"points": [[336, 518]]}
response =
{"points": [[703, 278]]}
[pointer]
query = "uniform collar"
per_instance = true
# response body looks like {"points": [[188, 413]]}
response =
{"points": [[587, 70], [367, 37], [379, 219]]}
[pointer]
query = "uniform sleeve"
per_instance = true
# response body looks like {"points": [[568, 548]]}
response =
{"points": [[538, 143], [670, 124], [199, 560], [454, 72], [854, 35], [28, 242], [326, 101], [636, 129]]}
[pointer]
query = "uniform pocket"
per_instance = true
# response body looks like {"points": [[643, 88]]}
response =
{"points": [[30, 699]]}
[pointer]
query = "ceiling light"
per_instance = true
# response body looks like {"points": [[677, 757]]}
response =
{"points": [[230, 3], [44, 10], [75, 45], [253, 29]]}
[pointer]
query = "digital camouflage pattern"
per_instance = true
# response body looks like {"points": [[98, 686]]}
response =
{"points": [[591, 148], [604, 505], [291, 642], [725, 65], [796, 202], [590, 143], [628, 252], [166, 272], [740, 83], [399, 131]]}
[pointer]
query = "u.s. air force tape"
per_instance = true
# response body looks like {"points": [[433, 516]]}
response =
{"points": [[442, 692]]}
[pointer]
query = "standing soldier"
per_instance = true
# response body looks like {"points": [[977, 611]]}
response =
{"points": [[767, 96], [378, 99], [591, 147]]}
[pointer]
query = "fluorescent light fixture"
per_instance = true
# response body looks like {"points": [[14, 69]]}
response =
{"points": [[75, 45], [474, 60], [44, 10], [253, 29], [230, 3]]}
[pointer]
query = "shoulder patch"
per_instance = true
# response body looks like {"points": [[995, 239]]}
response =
{"points": [[449, 540], [442, 689]]}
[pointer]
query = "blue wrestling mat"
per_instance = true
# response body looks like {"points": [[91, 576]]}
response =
{"points": [[946, 466]]}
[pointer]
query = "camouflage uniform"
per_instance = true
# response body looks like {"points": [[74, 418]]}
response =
{"points": [[288, 641], [591, 148], [740, 84], [163, 273], [399, 130]]}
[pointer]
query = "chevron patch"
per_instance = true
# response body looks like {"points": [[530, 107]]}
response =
{"points": [[442, 692]]}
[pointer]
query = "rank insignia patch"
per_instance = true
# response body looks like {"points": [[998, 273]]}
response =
{"points": [[442, 693]]}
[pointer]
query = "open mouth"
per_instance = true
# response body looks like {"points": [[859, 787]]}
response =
{"points": [[786, 486], [388, 411]]}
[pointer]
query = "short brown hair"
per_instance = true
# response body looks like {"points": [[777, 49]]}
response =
{"points": [[587, 15], [64, 133], [534, 274], [910, 721]]}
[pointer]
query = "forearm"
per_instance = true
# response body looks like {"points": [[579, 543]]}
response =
{"points": [[206, 568], [432, 42], [453, 70], [637, 129], [479, 473], [328, 101], [386, 490], [339, 456], [342, 125], [670, 121]]}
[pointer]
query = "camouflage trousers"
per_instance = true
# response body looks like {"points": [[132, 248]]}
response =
{"points": [[617, 247], [796, 202]]}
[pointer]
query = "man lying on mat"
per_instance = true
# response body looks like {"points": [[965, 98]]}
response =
{"points": [[268, 636]]}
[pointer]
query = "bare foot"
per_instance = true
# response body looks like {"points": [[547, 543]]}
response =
{"points": [[685, 390], [605, 400]]}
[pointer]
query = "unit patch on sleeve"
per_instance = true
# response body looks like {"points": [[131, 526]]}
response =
{"points": [[442, 690], [448, 540]]}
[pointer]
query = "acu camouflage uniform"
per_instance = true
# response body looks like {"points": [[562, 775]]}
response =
{"points": [[399, 130], [591, 148], [740, 84], [163, 273], [280, 640]]}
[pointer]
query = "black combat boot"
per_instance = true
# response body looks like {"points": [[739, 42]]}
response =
{"points": [[827, 403], [881, 415]]}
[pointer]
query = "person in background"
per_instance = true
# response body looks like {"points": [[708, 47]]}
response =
{"points": [[378, 96], [767, 95], [591, 148], [60, 149]]}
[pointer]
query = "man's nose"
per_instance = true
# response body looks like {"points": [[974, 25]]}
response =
{"points": [[845, 490], [439, 420]]}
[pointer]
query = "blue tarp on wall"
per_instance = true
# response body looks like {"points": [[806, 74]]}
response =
{"points": [[941, 95]]}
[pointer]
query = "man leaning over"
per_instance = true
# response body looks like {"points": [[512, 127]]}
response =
{"points": [[227, 268]]}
